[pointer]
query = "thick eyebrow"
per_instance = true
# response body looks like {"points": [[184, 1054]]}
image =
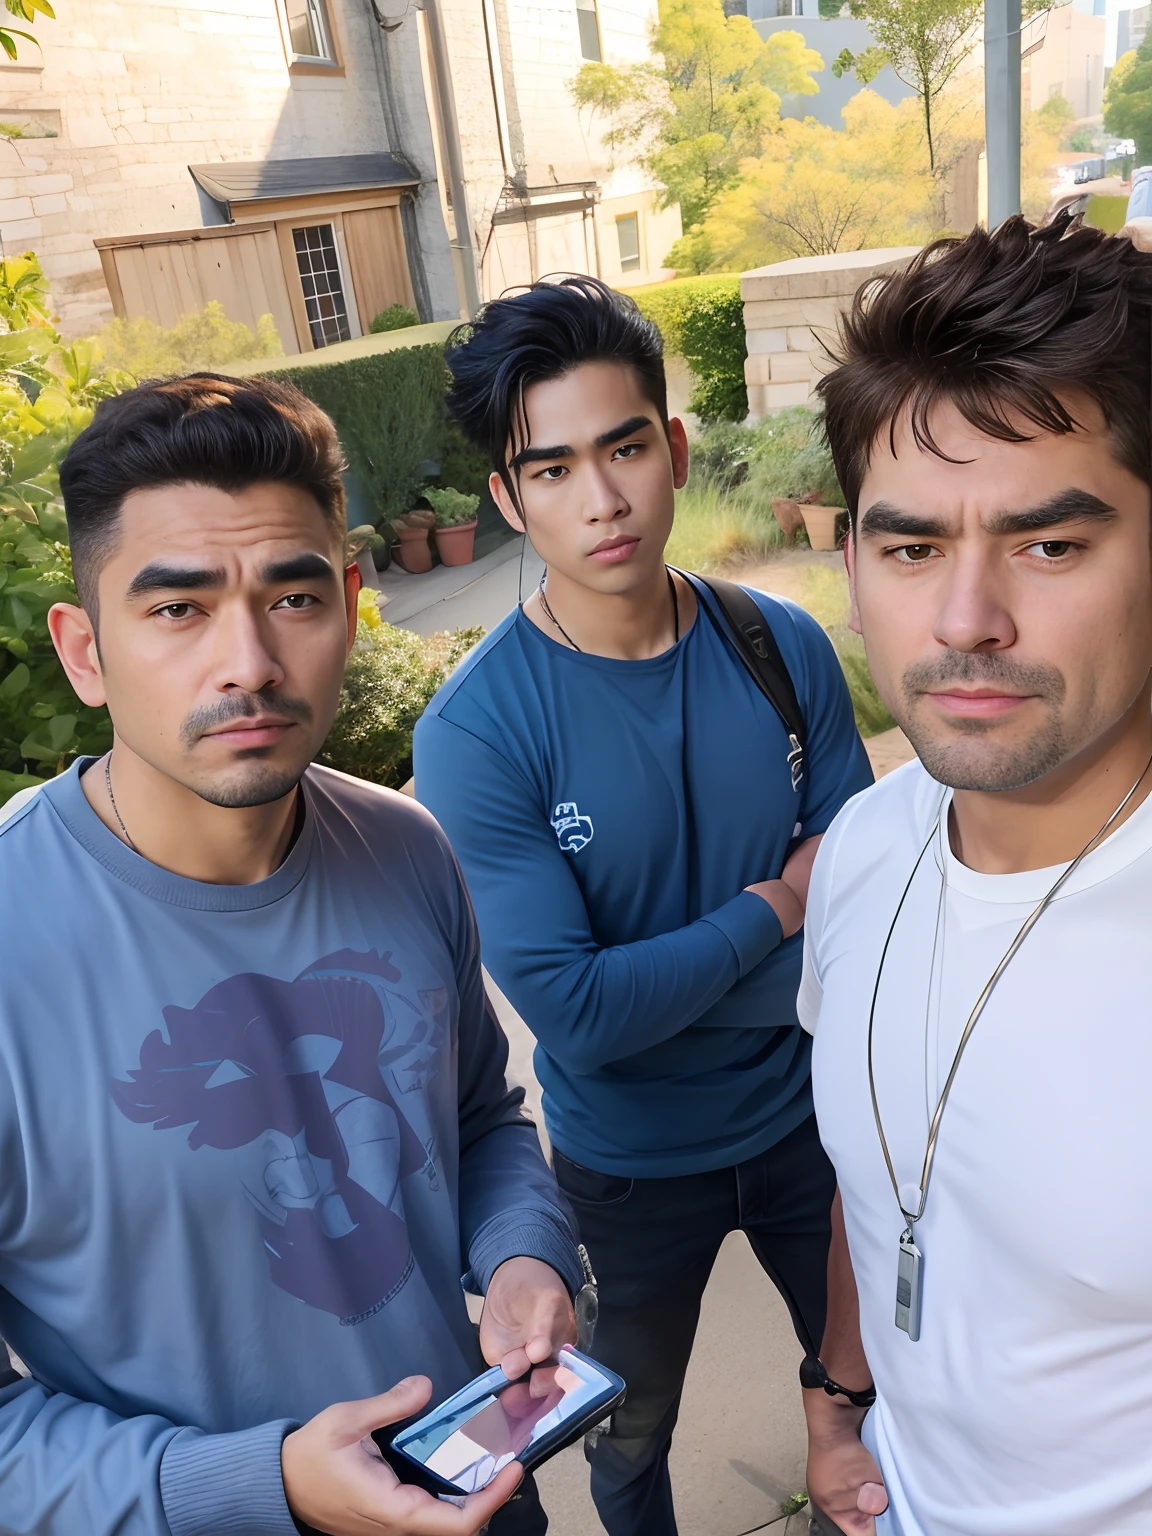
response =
{"points": [[309, 567], [625, 429], [173, 578], [1065, 507], [882, 517], [1070, 506], [565, 451]]}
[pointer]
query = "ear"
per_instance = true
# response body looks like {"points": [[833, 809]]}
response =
{"points": [[352, 584], [850, 563], [74, 636], [507, 506], [678, 448]]}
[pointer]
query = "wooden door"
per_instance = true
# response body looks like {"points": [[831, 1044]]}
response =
{"points": [[374, 240]]}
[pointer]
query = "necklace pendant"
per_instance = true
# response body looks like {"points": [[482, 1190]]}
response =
{"points": [[909, 1285]]}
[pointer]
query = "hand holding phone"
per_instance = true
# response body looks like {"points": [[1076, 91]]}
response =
{"points": [[472, 1439], [336, 1480]]}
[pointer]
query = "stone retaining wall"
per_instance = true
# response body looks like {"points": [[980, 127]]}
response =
{"points": [[788, 307]]}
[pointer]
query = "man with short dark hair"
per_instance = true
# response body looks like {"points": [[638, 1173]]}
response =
{"points": [[636, 820], [977, 969], [253, 1116]]}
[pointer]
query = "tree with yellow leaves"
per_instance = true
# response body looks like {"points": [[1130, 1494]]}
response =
{"points": [[815, 190], [706, 102]]}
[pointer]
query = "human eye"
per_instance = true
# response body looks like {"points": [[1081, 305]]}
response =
{"points": [[912, 554], [175, 612], [551, 472], [296, 602], [1051, 551], [628, 450]]}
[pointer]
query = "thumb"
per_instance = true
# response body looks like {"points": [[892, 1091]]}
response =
{"points": [[872, 1499], [350, 1422]]}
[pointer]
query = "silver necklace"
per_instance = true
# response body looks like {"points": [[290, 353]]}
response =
{"points": [[112, 801], [675, 611], [910, 1259]]}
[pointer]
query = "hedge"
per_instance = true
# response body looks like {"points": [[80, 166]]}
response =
{"points": [[389, 411], [702, 319]]}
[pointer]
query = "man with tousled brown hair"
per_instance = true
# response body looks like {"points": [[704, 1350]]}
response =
{"points": [[977, 966]]}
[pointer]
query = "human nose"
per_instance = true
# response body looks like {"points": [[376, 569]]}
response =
{"points": [[604, 500], [973, 614], [245, 659]]}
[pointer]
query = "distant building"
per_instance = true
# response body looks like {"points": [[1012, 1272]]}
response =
{"points": [[544, 194], [1131, 26], [1069, 63]]}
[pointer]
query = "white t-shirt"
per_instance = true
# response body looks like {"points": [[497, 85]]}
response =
{"points": [[1025, 1408]]}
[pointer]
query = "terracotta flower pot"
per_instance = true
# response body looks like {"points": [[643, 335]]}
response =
{"points": [[413, 552], [456, 544], [820, 525], [789, 516]]}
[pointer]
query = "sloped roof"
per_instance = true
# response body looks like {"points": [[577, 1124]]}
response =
{"points": [[246, 181]]}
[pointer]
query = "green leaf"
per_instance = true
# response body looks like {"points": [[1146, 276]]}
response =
{"points": [[21, 614], [6, 36], [60, 730], [844, 63], [16, 682], [34, 751]]}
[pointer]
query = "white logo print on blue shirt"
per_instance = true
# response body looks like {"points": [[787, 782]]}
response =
{"points": [[573, 831]]}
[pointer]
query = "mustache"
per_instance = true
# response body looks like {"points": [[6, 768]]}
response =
{"points": [[243, 706], [984, 669]]}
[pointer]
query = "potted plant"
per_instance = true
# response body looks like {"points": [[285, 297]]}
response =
{"points": [[455, 523], [412, 551], [821, 523]]}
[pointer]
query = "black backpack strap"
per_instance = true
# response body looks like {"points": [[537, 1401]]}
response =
{"points": [[750, 636]]}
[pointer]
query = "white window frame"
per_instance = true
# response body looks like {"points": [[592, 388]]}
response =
{"points": [[321, 24]]}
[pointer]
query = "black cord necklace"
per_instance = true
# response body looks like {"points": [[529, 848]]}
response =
{"points": [[675, 610]]}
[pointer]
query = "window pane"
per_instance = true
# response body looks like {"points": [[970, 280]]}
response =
{"points": [[628, 234], [320, 281], [589, 30], [307, 29]]}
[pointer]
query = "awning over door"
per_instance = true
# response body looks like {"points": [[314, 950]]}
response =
{"points": [[244, 182]]}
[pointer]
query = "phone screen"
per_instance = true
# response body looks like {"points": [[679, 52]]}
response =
{"points": [[470, 1438]]}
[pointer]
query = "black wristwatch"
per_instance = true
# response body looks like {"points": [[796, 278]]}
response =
{"points": [[814, 1376]]}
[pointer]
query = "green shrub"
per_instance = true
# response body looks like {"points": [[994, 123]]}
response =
{"points": [[452, 508], [204, 338], [783, 455], [391, 677], [714, 345], [702, 319], [42, 723], [389, 411], [666, 304], [397, 317]]}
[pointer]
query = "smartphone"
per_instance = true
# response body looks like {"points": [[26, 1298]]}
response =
{"points": [[459, 1447]]}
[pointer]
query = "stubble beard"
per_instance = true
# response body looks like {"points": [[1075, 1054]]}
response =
{"points": [[966, 754]]}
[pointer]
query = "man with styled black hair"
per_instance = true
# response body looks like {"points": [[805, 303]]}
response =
{"points": [[636, 822], [253, 1115], [978, 968]]}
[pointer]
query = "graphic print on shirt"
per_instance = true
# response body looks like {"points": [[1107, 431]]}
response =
{"points": [[573, 831], [298, 1067]]}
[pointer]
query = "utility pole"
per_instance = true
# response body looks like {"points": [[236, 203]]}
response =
{"points": [[1002, 21], [453, 154]]}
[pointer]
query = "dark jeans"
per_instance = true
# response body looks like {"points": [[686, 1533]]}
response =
{"points": [[523, 1515], [652, 1243]]}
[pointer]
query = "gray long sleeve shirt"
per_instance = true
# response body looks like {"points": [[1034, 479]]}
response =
{"points": [[250, 1138]]}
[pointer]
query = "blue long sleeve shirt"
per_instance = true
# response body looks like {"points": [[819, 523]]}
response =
{"points": [[251, 1137], [608, 815]]}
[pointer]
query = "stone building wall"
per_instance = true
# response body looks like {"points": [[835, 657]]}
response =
{"points": [[522, 129], [137, 90], [788, 308]]}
